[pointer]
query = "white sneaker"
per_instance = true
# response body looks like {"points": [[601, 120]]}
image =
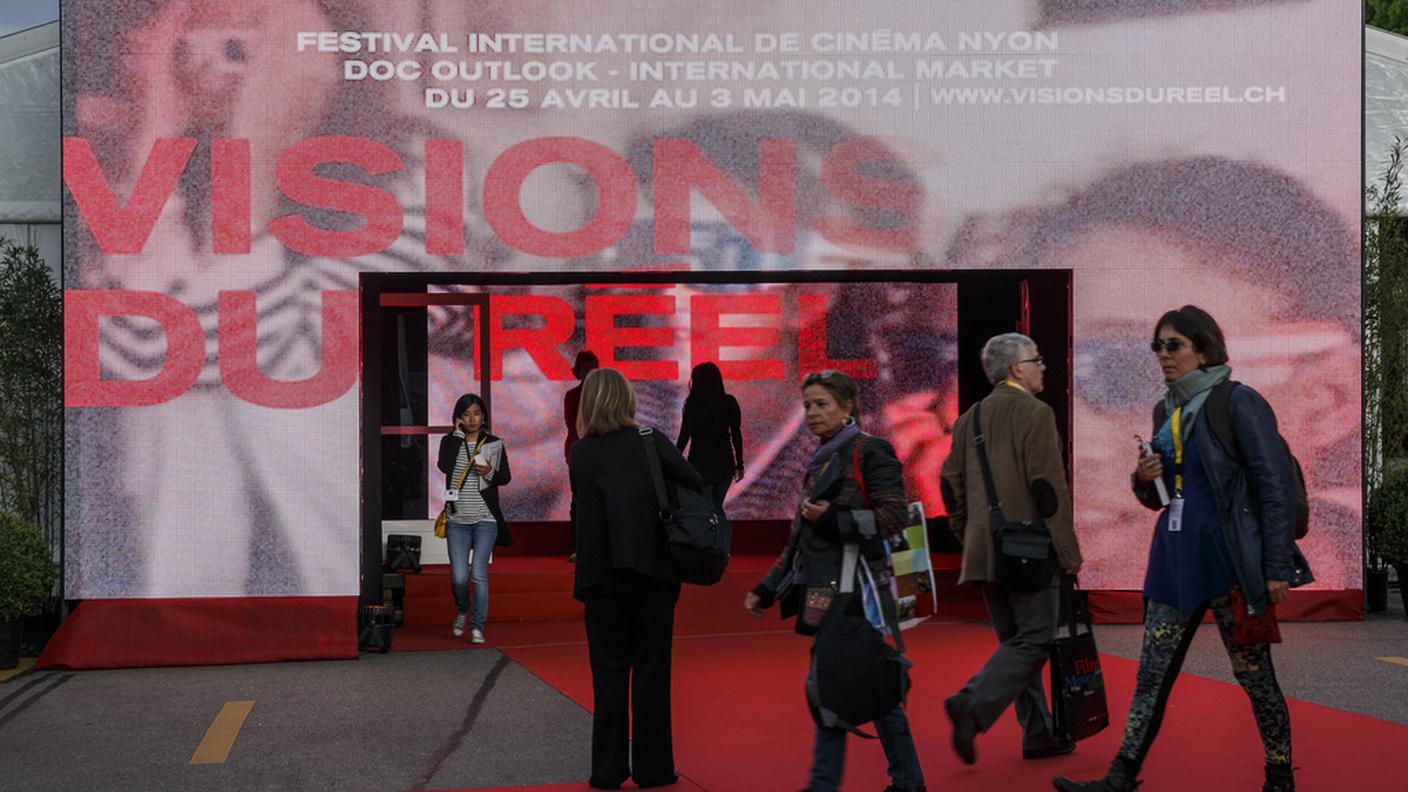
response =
{"points": [[458, 627], [476, 636]]}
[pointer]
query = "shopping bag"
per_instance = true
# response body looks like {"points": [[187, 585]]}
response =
{"points": [[1078, 706], [912, 586]]}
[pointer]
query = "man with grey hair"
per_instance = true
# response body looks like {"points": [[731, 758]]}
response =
{"points": [[1023, 449]]}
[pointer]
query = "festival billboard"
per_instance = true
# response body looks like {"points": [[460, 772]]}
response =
{"points": [[231, 170]]}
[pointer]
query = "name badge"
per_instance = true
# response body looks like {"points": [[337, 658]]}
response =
{"points": [[451, 496], [1175, 514]]}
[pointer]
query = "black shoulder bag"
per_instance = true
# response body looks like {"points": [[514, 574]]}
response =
{"points": [[855, 676], [698, 532], [1024, 561]]}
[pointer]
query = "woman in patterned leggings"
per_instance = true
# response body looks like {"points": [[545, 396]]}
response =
{"points": [[1225, 541]]}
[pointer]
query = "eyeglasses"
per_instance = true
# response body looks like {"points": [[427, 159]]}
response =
{"points": [[1040, 360], [1172, 345]]}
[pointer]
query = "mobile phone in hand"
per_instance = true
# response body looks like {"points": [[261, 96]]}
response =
{"points": [[1147, 448]]}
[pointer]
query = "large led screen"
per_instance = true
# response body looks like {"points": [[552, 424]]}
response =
{"points": [[897, 339], [231, 168]]}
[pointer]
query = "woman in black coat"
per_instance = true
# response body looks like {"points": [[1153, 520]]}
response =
{"points": [[626, 581], [475, 522], [711, 427]]}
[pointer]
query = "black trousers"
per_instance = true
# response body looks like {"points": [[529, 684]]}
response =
{"points": [[629, 627]]}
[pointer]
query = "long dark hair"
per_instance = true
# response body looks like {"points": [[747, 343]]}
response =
{"points": [[706, 385], [707, 399], [464, 403]]}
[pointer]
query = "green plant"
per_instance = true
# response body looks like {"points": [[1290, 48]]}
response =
{"points": [[31, 388], [1387, 518], [1385, 363], [1391, 15], [26, 569]]}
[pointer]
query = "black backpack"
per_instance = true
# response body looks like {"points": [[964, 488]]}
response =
{"points": [[856, 676], [1218, 409], [699, 533]]}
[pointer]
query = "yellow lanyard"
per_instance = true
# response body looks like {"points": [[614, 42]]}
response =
{"points": [[477, 444], [1177, 451]]}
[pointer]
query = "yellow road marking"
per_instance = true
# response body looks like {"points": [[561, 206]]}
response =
{"points": [[220, 737], [1403, 661], [26, 663]]}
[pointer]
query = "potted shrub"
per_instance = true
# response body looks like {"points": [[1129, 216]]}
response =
{"points": [[1391, 536], [1386, 380], [26, 581], [1386, 534]]}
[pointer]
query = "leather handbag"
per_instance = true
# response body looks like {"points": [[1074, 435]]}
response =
{"points": [[444, 518], [1024, 559]]}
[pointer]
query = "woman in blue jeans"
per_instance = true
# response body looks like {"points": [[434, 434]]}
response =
{"points": [[848, 470], [475, 464]]}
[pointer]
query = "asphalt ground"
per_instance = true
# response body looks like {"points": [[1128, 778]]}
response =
{"points": [[401, 721], [467, 719]]}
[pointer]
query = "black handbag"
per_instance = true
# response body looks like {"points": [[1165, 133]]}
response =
{"points": [[1078, 706], [855, 677], [1024, 560], [698, 532]]}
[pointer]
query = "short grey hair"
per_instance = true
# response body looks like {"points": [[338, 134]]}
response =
{"points": [[1001, 351]]}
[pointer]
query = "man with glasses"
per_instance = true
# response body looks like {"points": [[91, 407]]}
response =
{"points": [[1023, 467]]}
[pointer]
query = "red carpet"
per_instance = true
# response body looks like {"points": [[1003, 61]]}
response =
{"points": [[741, 724], [537, 590]]}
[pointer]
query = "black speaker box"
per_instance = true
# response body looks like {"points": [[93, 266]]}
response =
{"points": [[402, 552]]}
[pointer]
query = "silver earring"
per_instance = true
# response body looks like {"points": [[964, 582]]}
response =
{"points": [[850, 421]]}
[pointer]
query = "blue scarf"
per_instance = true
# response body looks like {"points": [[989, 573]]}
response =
{"points": [[831, 446]]}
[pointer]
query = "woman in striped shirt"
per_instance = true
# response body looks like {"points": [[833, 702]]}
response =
{"points": [[475, 521]]}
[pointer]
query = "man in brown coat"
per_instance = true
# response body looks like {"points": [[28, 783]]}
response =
{"points": [[1024, 453]]}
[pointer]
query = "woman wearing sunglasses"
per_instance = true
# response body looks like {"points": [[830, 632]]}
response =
{"points": [[1224, 541]]}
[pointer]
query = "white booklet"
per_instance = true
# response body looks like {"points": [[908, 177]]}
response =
{"points": [[490, 453]]}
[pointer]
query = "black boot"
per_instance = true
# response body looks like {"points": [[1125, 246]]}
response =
{"points": [[1120, 779], [1279, 779]]}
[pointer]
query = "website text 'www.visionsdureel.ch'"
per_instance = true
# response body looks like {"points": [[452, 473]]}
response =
{"points": [[1112, 95]]}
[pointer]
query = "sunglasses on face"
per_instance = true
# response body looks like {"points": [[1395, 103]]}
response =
{"points": [[1040, 360], [1172, 345]]}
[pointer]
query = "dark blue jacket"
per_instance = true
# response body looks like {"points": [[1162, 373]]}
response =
{"points": [[1256, 498]]}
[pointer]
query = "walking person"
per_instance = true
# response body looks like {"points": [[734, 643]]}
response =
{"points": [[1024, 454], [475, 464], [711, 428], [625, 579], [805, 577], [1225, 542]]}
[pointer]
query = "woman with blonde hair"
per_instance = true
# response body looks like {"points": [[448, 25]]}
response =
{"points": [[625, 579]]}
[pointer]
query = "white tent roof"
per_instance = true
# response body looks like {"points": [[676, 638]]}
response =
{"points": [[29, 126], [1385, 100]]}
